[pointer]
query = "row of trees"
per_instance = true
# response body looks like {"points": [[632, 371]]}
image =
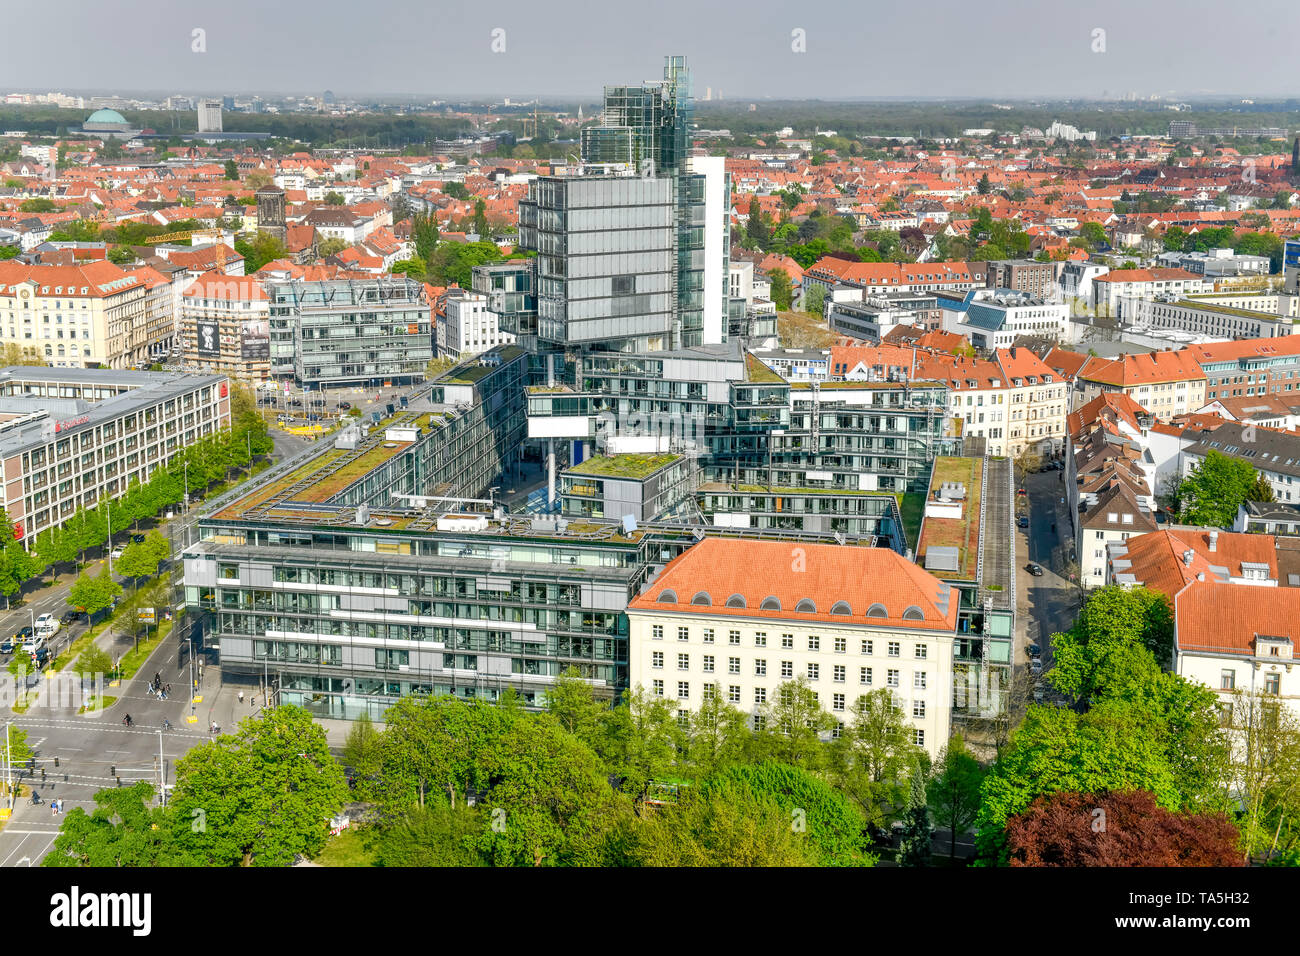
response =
{"points": [[1138, 737]]}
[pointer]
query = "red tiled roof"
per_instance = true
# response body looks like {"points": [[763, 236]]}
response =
{"points": [[1158, 559], [1226, 618], [822, 573]]}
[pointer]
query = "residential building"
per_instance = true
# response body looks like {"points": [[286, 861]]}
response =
{"points": [[1274, 455], [1028, 276], [1118, 292], [1167, 384], [466, 325], [225, 326], [996, 318]]}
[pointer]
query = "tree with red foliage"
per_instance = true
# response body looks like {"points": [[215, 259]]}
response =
{"points": [[1118, 829]]}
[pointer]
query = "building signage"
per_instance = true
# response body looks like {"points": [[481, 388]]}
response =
{"points": [[71, 423], [208, 343]]}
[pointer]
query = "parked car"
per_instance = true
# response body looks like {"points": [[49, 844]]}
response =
{"points": [[1021, 492], [345, 406], [116, 553], [40, 655], [1035, 570], [137, 539], [68, 617], [1023, 521], [32, 643], [1035, 667], [1034, 650]]}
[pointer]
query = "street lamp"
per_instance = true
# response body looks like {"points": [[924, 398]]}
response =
{"points": [[186, 469]]}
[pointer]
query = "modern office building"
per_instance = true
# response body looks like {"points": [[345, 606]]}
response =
{"points": [[350, 331], [69, 437], [466, 326], [210, 116]]}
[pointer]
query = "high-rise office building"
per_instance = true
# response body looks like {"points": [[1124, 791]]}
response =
{"points": [[632, 246], [209, 116]]}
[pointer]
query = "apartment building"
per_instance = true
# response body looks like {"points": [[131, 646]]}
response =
{"points": [[225, 326], [1166, 384], [996, 318], [1275, 455], [1249, 368], [1203, 318], [1028, 276], [1118, 292], [69, 437], [81, 316], [737, 619]]}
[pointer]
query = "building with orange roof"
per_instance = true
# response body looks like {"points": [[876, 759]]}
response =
{"points": [[77, 316], [1166, 384], [737, 618], [1170, 559], [1118, 291], [1238, 640]]}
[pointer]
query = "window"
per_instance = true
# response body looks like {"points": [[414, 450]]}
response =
{"points": [[760, 639], [864, 675], [658, 687], [657, 632], [787, 642], [657, 660], [891, 678], [683, 690], [787, 669], [709, 691], [837, 702], [759, 721], [841, 645], [918, 737], [708, 663], [733, 693], [760, 695], [733, 665], [683, 634], [895, 648], [1272, 683], [683, 662], [921, 652], [918, 680], [838, 673], [814, 643], [868, 647], [814, 671], [733, 637], [918, 708], [760, 667], [708, 635], [1227, 680]]}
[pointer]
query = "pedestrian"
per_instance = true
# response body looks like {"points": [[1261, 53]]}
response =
{"points": [[157, 678], [169, 689]]}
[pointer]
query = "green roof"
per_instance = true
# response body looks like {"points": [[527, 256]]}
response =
{"points": [[623, 466]]}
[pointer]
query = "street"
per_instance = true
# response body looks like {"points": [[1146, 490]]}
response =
{"points": [[1050, 602]]}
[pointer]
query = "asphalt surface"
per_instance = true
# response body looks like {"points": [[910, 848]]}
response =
{"points": [[1051, 601]]}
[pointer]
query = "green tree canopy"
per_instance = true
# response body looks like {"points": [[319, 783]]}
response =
{"points": [[1214, 490]]}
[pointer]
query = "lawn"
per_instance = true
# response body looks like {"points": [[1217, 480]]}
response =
{"points": [[331, 484], [912, 509], [623, 466], [97, 703], [346, 849]]}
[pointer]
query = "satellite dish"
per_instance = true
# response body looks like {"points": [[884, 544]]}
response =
{"points": [[629, 524]]}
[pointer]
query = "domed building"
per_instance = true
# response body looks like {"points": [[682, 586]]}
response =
{"points": [[109, 122]]}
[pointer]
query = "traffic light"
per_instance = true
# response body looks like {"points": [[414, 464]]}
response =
{"points": [[56, 763], [112, 770]]}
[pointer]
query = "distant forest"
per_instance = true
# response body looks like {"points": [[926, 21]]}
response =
{"points": [[916, 119]]}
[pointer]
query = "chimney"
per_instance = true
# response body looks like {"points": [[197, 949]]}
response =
{"points": [[1187, 557], [1214, 541]]}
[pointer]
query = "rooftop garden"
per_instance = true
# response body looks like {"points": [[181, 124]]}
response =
{"points": [[756, 371], [279, 485], [960, 533], [331, 484], [624, 466]]}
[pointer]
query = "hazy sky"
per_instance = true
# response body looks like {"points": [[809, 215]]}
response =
{"points": [[990, 48]]}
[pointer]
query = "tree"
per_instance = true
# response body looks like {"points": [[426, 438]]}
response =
{"points": [[639, 742], [265, 794], [453, 262], [984, 186], [94, 661], [782, 289], [437, 834], [572, 702], [456, 190], [138, 560], [330, 245], [814, 299], [121, 832], [93, 594], [1109, 748], [362, 754], [793, 725], [756, 230], [40, 204], [953, 791], [481, 228], [719, 734], [1118, 829], [263, 249], [1265, 740], [1261, 490], [873, 758], [414, 268], [1113, 618], [917, 834], [333, 199], [424, 234], [1215, 489], [232, 170], [121, 255]]}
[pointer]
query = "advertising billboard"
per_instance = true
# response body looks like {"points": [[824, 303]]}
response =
{"points": [[255, 340], [209, 345]]}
